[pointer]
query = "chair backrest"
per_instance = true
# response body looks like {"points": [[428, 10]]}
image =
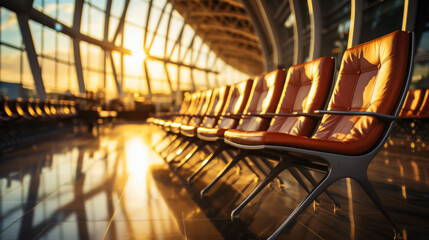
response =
{"points": [[306, 89], [372, 78], [424, 108], [216, 106], [191, 109], [235, 104], [264, 97], [412, 103], [203, 105], [185, 103]]}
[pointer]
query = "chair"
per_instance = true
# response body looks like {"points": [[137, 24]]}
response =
{"points": [[264, 98], [194, 119], [235, 104], [412, 103], [215, 108], [369, 92], [305, 90]]}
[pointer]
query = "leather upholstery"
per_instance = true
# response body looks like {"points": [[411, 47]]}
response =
{"points": [[306, 90], [265, 95], [370, 79], [199, 110], [412, 103], [235, 104], [424, 109], [215, 108], [193, 104]]}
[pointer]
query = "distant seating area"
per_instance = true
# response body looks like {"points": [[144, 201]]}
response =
{"points": [[300, 120], [24, 120]]}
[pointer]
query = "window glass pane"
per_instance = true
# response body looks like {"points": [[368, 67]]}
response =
{"points": [[50, 8], [66, 10], [10, 32], [48, 74], [96, 23], [334, 42], [27, 77], [158, 47], [172, 71], [382, 19], [63, 49], [136, 12], [134, 39], [10, 64], [185, 79], [49, 40], [113, 25], [117, 7], [101, 4], [63, 80], [154, 18]]}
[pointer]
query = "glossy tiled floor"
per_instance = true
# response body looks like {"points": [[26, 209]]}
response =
{"points": [[114, 186]]}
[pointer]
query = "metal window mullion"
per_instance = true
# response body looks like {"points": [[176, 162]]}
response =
{"points": [[298, 53], [157, 27], [115, 75], [316, 28], [273, 34], [24, 27], [168, 28], [179, 37], [355, 23], [410, 15], [121, 23], [106, 39], [77, 21]]}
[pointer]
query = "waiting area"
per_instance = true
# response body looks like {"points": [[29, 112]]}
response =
{"points": [[303, 153]]}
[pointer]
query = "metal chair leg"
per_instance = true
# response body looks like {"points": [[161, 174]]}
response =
{"points": [[370, 191], [204, 164], [319, 189], [282, 165], [311, 179], [225, 170], [189, 155], [174, 155]]}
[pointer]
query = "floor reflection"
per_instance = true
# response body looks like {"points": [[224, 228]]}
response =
{"points": [[114, 186]]}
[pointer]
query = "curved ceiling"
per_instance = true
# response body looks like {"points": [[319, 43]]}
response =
{"points": [[225, 26]]}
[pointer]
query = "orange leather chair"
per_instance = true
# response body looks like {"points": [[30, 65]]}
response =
{"points": [[423, 111], [197, 111], [214, 111], [306, 89], [166, 125], [159, 121], [235, 104], [369, 92], [264, 98], [412, 104]]}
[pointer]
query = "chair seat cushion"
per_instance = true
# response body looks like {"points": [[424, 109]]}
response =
{"points": [[188, 130], [210, 134], [175, 127], [350, 147]]}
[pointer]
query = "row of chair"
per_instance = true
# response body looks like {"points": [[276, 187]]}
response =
{"points": [[302, 119], [21, 120], [414, 116]]}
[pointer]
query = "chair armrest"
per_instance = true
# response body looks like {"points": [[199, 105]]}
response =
{"points": [[293, 114], [383, 117]]}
